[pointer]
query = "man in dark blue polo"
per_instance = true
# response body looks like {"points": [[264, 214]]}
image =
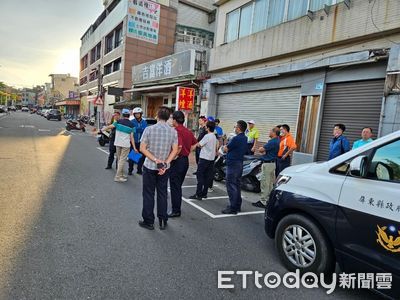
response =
{"points": [[236, 149], [270, 153]]}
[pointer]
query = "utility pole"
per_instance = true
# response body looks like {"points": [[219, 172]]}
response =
{"points": [[99, 92]]}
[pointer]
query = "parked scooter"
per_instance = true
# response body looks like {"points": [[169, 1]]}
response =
{"points": [[251, 171], [92, 121], [103, 137], [75, 125]]}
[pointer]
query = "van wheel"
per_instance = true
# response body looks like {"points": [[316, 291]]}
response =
{"points": [[302, 245]]}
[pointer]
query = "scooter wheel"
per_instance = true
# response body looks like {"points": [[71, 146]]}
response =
{"points": [[83, 129], [102, 143], [68, 128], [218, 176]]}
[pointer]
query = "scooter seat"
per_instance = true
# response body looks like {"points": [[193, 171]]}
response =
{"points": [[251, 157]]}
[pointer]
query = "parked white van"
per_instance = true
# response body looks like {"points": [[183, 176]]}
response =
{"points": [[346, 210]]}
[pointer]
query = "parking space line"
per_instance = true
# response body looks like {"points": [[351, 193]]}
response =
{"points": [[106, 152], [203, 210], [217, 197], [188, 201], [240, 214]]}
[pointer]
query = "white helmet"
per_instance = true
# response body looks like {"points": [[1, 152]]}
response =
{"points": [[137, 110]]}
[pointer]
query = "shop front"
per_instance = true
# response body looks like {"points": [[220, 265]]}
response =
{"points": [[69, 107], [308, 96], [155, 83]]}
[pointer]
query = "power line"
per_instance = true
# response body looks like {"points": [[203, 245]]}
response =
{"points": [[377, 28]]}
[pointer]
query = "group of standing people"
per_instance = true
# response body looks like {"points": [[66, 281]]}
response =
{"points": [[125, 136], [166, 151], [339, 144]]}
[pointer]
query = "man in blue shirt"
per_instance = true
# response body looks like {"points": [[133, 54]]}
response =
{"points": [[270, 153], [139, 125], [218, 130], [236, 149], [339, 143], [366, 135]]}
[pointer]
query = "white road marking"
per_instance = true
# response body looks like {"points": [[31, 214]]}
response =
{"points": [[211, 215], [106, 152], [188, 201], [219, 197], [240, 214], [26, 126], [44, 130]]}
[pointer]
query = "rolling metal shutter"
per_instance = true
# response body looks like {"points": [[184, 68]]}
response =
{"points": [[266, 108], [356, 105]]}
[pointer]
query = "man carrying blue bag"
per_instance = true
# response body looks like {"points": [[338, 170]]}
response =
{"points": [[139, 125], [123, 141]]}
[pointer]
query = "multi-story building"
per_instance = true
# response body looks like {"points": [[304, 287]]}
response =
{"points": [[28, 97], [60, 87], [155, 82], [112, 44], [309, 64]]}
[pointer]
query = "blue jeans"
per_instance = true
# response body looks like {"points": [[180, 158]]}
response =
{"points": [[234, 172], [152, 182]]}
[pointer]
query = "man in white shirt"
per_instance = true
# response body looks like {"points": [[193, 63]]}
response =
{"points": [[205, 168]]}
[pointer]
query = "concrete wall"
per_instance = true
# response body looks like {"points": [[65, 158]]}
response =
{"points": [[138, 52], [64, 84], [342, 27], [193, 17], [132, 51], [391, 115]]}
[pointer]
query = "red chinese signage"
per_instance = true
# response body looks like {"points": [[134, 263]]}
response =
{"points": [[185, 98]]}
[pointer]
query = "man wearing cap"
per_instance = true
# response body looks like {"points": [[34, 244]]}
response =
{"points": [[252, 137], [139, 124], [123, 140]]}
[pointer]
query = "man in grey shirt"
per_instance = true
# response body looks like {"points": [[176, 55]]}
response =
{"points": [[205, 168], [159, 144]]}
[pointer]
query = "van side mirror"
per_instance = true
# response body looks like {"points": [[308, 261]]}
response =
{"points": [[358, 166], [383, 171]]}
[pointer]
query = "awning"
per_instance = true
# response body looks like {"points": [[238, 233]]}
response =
{"points": [[69, 103], [91, 98], [152, 88]]}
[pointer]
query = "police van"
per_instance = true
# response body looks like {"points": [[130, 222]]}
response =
{"points": [[345, 211]]}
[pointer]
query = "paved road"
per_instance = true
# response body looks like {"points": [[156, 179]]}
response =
{"points": [[67, 231]]}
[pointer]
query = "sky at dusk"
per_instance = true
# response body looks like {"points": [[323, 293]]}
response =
{"points": [[40, 37]]}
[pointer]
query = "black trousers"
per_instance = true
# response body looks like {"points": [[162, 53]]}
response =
{"points": [[204, 174], [141, 161], [249, 147], [112, 149], [197, 155], [152, 182], [281, 164], [178, 170]]}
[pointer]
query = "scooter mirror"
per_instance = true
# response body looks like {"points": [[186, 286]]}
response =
{"points": [[221, 150]]}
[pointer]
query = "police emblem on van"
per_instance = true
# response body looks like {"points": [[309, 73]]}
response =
{"points": [[388, 241]]}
